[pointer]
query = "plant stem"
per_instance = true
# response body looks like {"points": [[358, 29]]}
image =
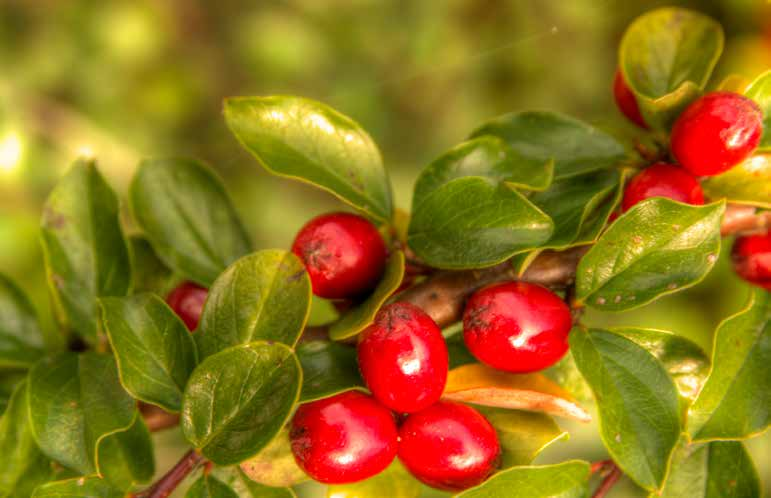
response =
{"points": [[598, 466], [157, 419], [609, 481], [169, 482]]}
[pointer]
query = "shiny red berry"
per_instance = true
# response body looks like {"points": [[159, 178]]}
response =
{"points": [[716, 132], [751, 256], [343, 253], [403, 358], [344, 438], [626, 100], [663, 180], [449, 446], [187, 301], [517, 326]]}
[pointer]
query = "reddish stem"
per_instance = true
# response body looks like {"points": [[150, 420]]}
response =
{"points": [[598, 466], [169, 482], [609, 481]]}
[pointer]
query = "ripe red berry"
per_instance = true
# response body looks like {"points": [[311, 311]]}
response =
{"points": [[187, 300], [403, 358], [663, 180], [751, 256], [626, 100], [517, 326], [716, 132], [449, 446], [344, 438], [343, 253]]}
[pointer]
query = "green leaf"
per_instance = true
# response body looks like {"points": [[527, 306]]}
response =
{"points": [[565, 480], [760, 91], [328, 368], [246, 488], [457, 350], [126, 458], [575, 147], [309, 141], [185, 212], [667, 56], [275, 465], [522, 435], [565, 374], [85, 253], [636, 400], [9, 380], [149, 272], [75, 401], [393, 482], [720, 469], [656, 248], [472, 222], [361, 316], [81, 487], [237, 400], [734, 402], [208, 487], [21, 341], [263, 296], [487, 157], [746, 183], [22, 466], [154, 350]]}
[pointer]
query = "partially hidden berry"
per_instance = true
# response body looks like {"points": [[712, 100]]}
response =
{"points": [[751, 256], [187, 300], [663, 180], [626, 100]]}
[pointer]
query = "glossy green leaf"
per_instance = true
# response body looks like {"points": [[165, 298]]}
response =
{"points": [[71, 412], [565, 374], [735, 401], [154, 350], [209, 487], [720, 469], [263, 296], [149, 272], [246, 488], [473, 222], [85, 253], [126, 457], [237, 400], [185, 212], [487, 157], [328, 368], [80, 487], [760, 91], [565, 480], [22, 466], [275, 466], [746, 183], [667, 56], [393, 482], [522, 435], [309, 141], [656, 248], [637, 402], [21, 341], [362, 315], [575, 147]]}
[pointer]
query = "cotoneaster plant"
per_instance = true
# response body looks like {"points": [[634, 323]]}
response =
{"points": [[460, 336]]}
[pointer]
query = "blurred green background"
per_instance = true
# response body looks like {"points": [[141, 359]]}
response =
{"points": [[122, 80]]}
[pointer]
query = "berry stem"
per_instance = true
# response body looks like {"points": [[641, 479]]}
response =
{"points": [[609, 481], [164, 486], [599, 466]]}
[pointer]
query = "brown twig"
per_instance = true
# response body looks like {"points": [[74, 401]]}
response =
{"points": [[169, 482], [609, 481]]}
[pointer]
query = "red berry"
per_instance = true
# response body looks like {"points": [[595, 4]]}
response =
{"points": [[187, 301], [344, 438], [716, 132], [343, 253], [449, 446], [663, 180], [626, 100], [517, 326], [403, 358], [751, 256]]}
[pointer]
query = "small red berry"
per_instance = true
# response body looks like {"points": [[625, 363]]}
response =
{"points": [[187, 300], [449, 446], [716, 132], [517, 326], [403, 358], [343, 253], [626, 100], [663, 180], [751, 256], [344, 438]]}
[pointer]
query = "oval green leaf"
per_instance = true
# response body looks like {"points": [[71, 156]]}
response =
{"points": [[185, 212], [81, 487], [275, 465], [309, 141], [245, 487], [126, 458], [328, 368], [565, 480], [637, 402], [85, 253], [746, 183], [154, 350], [760, 91], [522, 435], [209, 487], [656, 248], [237, 400], [734, 402], [263, 296], [359, 317], [393, 482], [575, 147], [149, 272], [21, 341]]}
